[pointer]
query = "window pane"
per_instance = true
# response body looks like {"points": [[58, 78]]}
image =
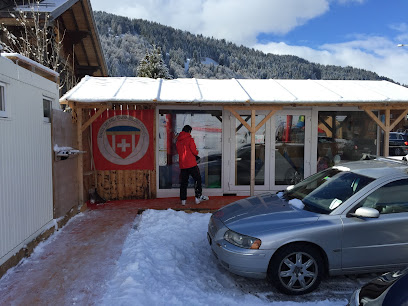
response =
{"points": [[207, 134], [2, 102], [47, 109], [243, 152], [344, 136], [290, 149], [391, 198]]}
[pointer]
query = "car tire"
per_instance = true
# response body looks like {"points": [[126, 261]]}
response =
{"points": [[296, 269], [398, 152]]}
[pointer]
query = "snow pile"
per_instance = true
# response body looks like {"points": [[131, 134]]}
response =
{"points": [[297, 203], [59, 149], [280, 194], [166, 260]]}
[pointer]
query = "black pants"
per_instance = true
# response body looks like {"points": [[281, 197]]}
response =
{"points": [[184, 176]]}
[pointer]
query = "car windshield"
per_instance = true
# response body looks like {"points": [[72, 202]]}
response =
{"points": [[326, 190]]}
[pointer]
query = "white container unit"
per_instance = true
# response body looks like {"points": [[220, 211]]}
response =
{"points": [[26, 192]]}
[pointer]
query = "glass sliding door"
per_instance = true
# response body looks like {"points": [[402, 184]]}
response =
{"points": [[344, 136], [207, 133], [241, 155], [282, 151], [290, 131]]}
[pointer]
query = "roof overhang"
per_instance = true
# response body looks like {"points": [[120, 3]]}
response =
{"points": [[243, 92]]}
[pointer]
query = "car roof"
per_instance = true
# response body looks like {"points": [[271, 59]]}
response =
{"points": [[377, 168]]}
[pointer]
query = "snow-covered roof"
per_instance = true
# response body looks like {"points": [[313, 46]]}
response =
{"points": [[232, 91], [31, 65], [53, 7], [26, 60]]}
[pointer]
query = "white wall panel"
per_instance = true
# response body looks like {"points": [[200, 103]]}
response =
{"points": [[26, 200]]}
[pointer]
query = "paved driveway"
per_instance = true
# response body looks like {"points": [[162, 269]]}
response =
{"points": [[66, 269]]}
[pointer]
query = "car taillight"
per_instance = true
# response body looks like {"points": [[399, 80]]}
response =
{"points": [[406, 143]]}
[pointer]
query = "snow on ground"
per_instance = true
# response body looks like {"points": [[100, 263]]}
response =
{"points": [[166, 260]]}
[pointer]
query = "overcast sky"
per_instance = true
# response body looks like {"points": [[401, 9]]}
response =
{"points": [[358, 33]]}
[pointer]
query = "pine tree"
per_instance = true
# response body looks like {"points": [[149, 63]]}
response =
{"points": [[153, 66]]}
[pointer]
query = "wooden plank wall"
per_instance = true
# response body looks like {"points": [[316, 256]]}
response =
{"points": [[119, 184], [65, 172], [126, 184]]}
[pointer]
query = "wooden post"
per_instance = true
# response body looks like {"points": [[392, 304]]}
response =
{"points": [[80, 158], [385, 128], [253, 131], [387, 133]]}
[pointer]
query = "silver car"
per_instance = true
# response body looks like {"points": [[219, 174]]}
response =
{"points": [[351, 218]]}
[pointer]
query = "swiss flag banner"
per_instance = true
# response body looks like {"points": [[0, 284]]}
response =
{"points": [[123, 140]]}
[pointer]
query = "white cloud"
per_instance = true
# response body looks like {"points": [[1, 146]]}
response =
{"points": [[376, 54], [400, 27], [239, 21]]}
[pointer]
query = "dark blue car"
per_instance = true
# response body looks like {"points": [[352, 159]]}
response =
{"points": [[389, 289], [398, 144]]}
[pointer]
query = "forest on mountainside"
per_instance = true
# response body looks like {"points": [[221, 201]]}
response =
{"points": [[126, 41]]}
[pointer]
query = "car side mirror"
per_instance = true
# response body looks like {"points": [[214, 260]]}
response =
{"points": [[365, 212]]}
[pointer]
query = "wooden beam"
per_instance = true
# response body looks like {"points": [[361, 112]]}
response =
{"points": [[374, 117], [94, 38], [395, 106], [254, 107], [94, 117], [74, 116], [238, 116], [327, 125], [70, 104], [385, 127], [77, 36], [400, 117], [253, 132], [271, 113], [80, 158], [86, 70], [81, 42], [240, 126], [387, 133]]}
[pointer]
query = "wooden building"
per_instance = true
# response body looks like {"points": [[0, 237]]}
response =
{"points": [[73, 24], [253, 135]]}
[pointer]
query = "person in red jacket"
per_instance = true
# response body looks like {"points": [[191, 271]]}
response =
{"points": [[188, 155]]}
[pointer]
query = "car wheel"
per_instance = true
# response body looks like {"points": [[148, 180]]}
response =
{"points": [[398, 152], [296, 269], [292, 177]]}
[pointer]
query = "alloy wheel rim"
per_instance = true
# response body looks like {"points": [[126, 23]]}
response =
{"points": [[298, 271]]}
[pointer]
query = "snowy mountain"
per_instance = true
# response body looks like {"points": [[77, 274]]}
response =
{"points": [[125, 43]]}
